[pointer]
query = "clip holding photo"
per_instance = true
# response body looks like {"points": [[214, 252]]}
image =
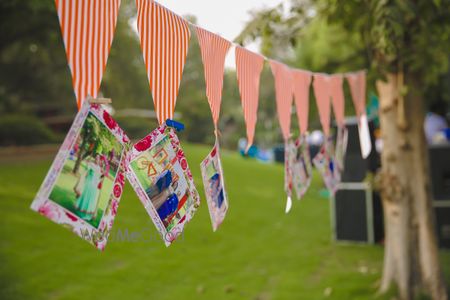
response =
{"points": [[174, 124]]}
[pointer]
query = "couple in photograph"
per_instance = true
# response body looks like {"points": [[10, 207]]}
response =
{"points": [[89, 185]]}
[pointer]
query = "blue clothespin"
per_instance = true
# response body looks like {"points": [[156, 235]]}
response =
{"points": [[174, 124]]}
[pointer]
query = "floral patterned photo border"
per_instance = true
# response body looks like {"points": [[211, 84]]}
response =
{"points": [[302, 168], [96, 235], [191, 199], [217, 200]]}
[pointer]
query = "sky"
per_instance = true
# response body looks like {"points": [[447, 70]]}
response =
{"points": [[226, 18]]}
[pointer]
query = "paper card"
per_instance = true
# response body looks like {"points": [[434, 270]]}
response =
{"points": [[289, 159], [340, 151], [302, 167], [159, 173], [213, 181], [324, 163], [83, 187], [364, 136]]}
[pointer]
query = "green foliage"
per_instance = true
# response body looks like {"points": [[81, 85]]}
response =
{"points": [[327, 47], [409, 35], [96, 138], [24, 130], [33, 67]]}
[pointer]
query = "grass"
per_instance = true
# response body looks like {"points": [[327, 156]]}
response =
{"points": [[63, 191], [257, 253]]}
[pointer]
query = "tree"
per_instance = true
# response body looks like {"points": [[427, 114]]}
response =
{"points": [[406, 45], [33, 66], [95, 139]]}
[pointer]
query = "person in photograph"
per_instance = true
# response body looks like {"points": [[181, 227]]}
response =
{"points": [[105, 167], [435, 123], [216, 190], [87, 199]]}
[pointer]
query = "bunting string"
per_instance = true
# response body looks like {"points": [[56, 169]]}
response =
{"points": [[88, 26]]}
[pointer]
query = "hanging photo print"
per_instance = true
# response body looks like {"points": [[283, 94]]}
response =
{"points": [[290, 154], [302, 167], [324, 162], [213, 181], [160, 175], [341, 149], [83, 187]]}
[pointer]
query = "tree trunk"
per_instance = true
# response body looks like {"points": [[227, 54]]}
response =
{"points": [[411, 259], [80, 156]]}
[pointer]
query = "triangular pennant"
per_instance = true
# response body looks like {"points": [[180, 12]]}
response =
{"points": [[213, 49], [357, 83], [321, 86], [164, 40], [248, 70], [87, 28], [302, 80], [337, 97], [283, 95]]}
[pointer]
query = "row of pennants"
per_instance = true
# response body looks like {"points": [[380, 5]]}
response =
{"points": [[88, 28]]}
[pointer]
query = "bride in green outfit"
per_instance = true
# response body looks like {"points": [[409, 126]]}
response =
{"points": [[86, 203]]}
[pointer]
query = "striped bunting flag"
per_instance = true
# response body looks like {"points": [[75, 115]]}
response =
{"points": [[357, 83], [164, 40], [248, 70], [302, 80], [284, 95], [337, 99], [213, 49], [87, 28], [322, 92]]}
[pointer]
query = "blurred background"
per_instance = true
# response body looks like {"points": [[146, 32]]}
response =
{"points": [[259, 253]]}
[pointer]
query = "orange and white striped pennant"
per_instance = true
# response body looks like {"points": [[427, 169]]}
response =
{"points": [[213, 49], [337, 98], [357, 83], [248, 70], [87, 28], [164, 38], [302, 80], [284, 95], [322, 92]]}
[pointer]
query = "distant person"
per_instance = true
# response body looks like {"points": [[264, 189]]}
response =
{"points": [[435, 122], [315, 141]]}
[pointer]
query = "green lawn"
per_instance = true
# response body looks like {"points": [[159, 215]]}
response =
{"points": [[63, 192], [258, 253]]}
